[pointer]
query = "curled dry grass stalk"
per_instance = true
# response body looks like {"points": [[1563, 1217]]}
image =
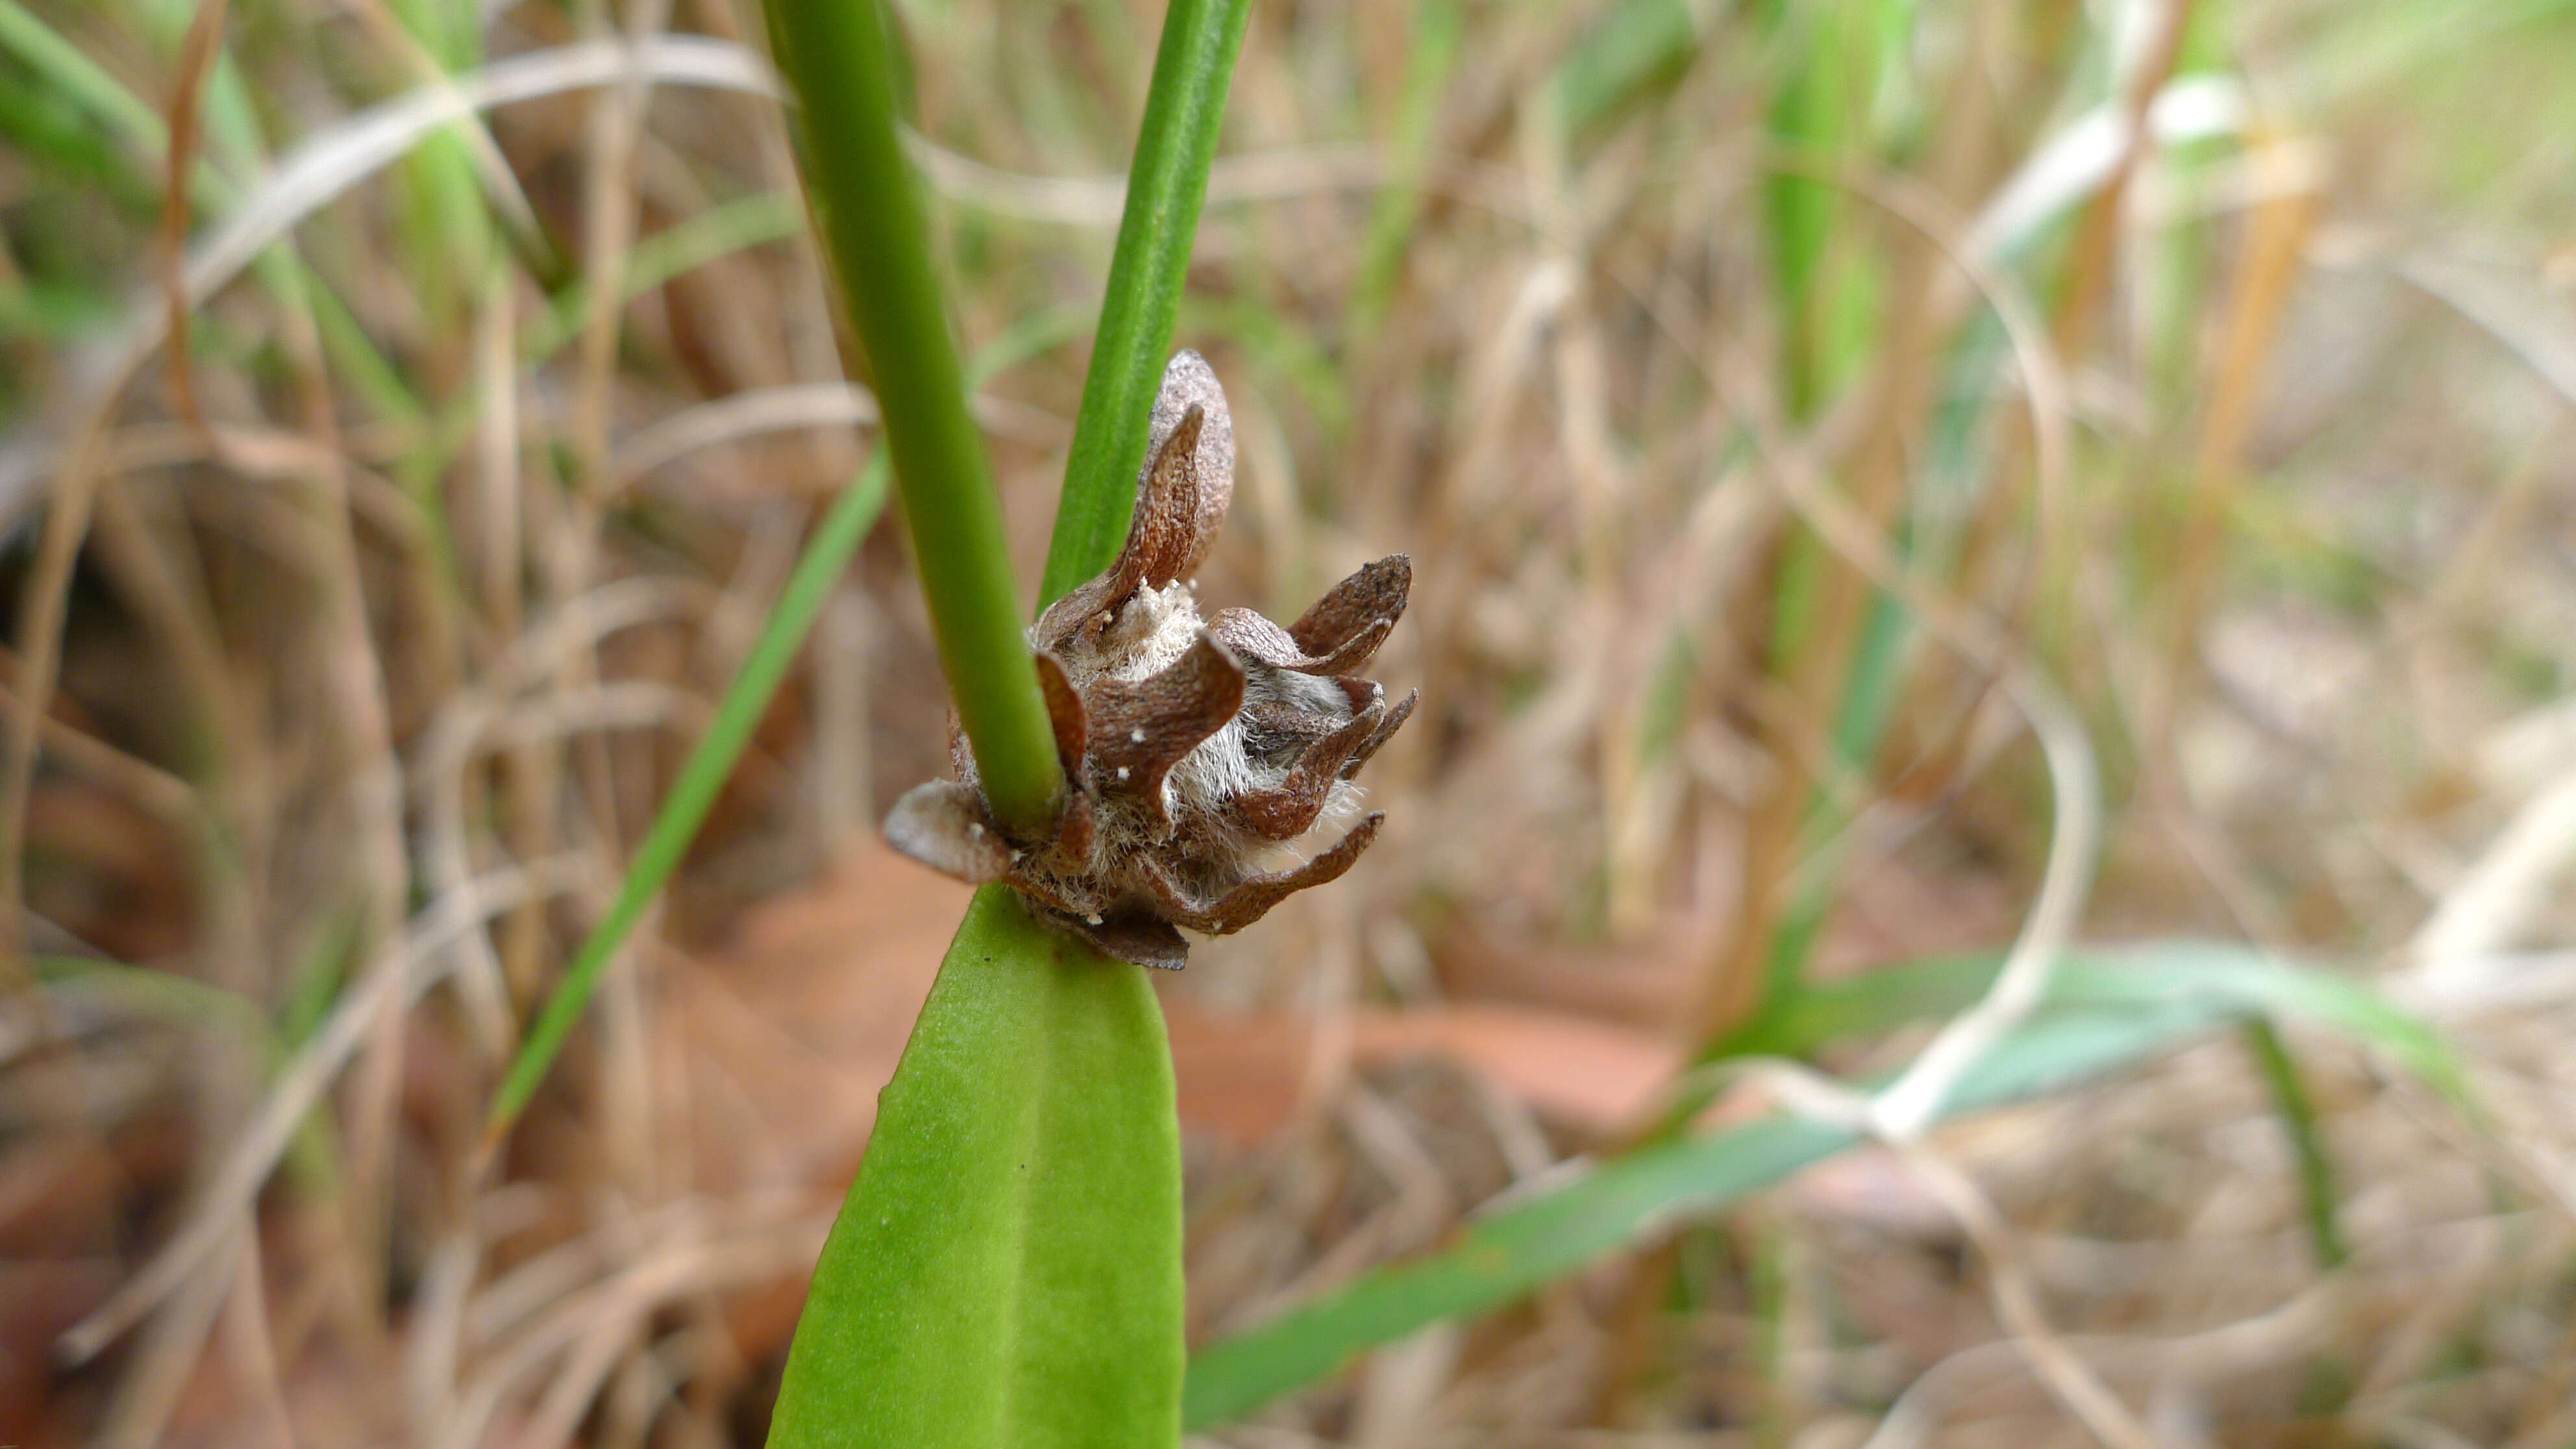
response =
{"points": [[2209, 429]]}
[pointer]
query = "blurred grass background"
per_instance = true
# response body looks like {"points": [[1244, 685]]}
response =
{"points": [[386, 502]]}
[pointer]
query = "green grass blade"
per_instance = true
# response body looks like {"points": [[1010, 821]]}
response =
{"points": [[839, 56], [2110, 978], [2106, 1010], [702, 777], [138, 127], [1499, 1260], [48, 130], [1800, 212], [1634, 47], [1008, 1269], [163, 996], [1165, 186], [54, 313], [69, 69], [2307, 1143]]}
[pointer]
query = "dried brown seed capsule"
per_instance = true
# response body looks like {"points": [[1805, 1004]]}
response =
{"points": [[1194, 751]]}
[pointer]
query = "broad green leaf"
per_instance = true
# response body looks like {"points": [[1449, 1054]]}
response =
{"points": [[2106, 1009], [1007, 1270]]}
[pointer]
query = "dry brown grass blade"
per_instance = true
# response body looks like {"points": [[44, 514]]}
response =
{"points": [[328, 163], [760, 1240], [147, 1393], [2088, 266], [419, 960], [498, 510], [1853, 535], [1898, 396], [2267, 272], [354, 686], [1535, 403], [1911, 1103], [197, 55], [608, 230], [42, 602], [568, 554], [158, 791], [500, 184], [2072, 1381], [2500, 892], [2513, 321], [730, 419]]}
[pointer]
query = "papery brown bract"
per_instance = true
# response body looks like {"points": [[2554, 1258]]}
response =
{"points": [[1193, 750]]}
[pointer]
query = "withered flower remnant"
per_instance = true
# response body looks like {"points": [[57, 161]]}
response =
{"points": [[1194, 750]]}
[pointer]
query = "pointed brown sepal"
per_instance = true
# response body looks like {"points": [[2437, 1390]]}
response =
{"points": [[1277, 720], [1361, 692], [1181, 498], [1139, 940], [1163, 537], [1064, 712], [1086, 602], [1190, 385], [1351, 653], [943, 824], [1164, 534], [1139, 731], [1290, 810], [1377, 591], [1251, 900], [1250, 634], [1385, 731]]}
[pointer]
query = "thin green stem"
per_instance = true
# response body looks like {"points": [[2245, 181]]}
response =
{"points": [[702, 777], [2307, 1143], [84, 80], [1166, 185], [840, 58]]}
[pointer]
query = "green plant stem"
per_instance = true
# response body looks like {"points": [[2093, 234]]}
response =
{"points": [[2299, 1120], [1166, 185], [702, 777], [839, 56]]}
